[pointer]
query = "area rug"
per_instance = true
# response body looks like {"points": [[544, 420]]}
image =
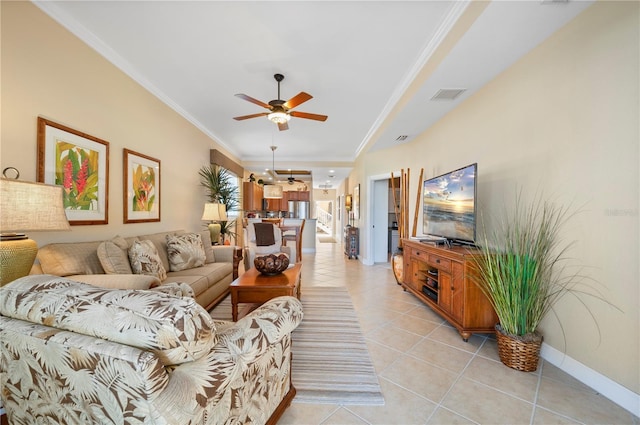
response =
{"points": [[331, 362]]}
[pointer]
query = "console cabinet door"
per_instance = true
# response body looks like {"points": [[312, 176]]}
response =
{"points": [[444, 291], [457, 292]]}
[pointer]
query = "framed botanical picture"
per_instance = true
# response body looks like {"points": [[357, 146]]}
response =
{"points": [[80, 164], [141, 187], [356, 202]]}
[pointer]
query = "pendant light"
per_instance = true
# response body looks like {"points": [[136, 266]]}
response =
{"points": [[273, 191]]}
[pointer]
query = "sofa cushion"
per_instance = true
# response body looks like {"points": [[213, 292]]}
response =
{"points": [[160, 241], [64, 259], [176, 329], [198, 283], [144, 259], [113, 256], [185, 251]]}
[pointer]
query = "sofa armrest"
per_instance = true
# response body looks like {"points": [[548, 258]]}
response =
{"points": [[250, 364], [223, 253], [267, 324]]}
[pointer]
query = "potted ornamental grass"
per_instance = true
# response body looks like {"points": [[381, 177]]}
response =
{"points": [[524, 271]]}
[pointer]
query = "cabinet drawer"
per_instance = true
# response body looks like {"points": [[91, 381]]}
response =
{"points": [[416, 253], [440, 263]]}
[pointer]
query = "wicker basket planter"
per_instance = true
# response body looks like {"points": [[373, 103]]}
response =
{"points": [[520, 353]]}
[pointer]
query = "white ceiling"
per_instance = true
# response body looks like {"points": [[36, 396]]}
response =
{"points": [[366, 64]]}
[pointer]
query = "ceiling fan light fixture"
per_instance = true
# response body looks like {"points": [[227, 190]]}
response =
{"points": [[279, 117]]}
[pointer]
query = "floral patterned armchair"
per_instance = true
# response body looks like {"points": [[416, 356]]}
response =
{"points": [[75, 353]]}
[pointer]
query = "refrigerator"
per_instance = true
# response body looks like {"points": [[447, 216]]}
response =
{"points": [[298, 209]]}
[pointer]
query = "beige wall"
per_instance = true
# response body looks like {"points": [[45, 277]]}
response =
{"points": [[46, 71], [565, 120]]}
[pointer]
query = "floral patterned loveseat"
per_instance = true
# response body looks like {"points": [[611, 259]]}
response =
{"points": [[72, 353]]}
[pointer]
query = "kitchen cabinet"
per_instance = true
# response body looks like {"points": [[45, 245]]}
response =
{"points": [[252, 196], [297, 195], [276, 204]]}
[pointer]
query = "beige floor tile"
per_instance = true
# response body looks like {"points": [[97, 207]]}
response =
{"points": [[503, 378], [307, 414], [444, 416], [552, 372], [401, 407], [449, 335], [584, 406], [486, 405], [414, 324], [442, 355], [393, 337], [423, 378], [546, 417], [489, 349], [343, 416], [381, 355]]}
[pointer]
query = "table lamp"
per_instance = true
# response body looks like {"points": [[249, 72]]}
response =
{"points": [[26, 206], [215, 213]]}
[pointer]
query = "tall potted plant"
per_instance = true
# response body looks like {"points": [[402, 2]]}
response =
{"points": [[220, 189], [523, 272]]}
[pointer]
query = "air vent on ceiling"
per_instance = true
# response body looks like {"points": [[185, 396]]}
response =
{"points": [[448, 94], [401, 138]]}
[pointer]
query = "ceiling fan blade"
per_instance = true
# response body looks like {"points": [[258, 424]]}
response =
{"points": [[283, 126], [308, 116], [246, 117], [297, 100], [252, 100]]}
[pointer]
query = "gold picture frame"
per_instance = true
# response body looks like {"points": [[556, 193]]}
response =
{"points": [[141, 191], [79, 163]]}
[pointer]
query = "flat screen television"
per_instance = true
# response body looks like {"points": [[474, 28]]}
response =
{"points": [[449, 205]]}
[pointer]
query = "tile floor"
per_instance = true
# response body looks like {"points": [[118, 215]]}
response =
{"points": [[428, 375]]}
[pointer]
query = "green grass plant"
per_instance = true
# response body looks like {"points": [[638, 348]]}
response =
{"points": [[524, 267]]}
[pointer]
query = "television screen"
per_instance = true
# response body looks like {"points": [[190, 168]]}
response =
{"points": [[449, 207]]}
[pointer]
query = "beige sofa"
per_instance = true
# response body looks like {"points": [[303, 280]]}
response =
{"points": [[77, 354], [107, 264]]}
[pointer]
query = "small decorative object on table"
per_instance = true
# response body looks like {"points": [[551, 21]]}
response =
{"points": [[271, 264]]}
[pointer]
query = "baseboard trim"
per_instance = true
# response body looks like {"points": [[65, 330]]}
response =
{"points": [[615, 392]]}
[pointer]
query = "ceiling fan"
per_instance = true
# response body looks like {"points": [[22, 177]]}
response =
{"points": [[279, 110], [292, 180]]}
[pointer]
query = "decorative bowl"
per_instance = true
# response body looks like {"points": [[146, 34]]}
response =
{"points": [[271, 264]]}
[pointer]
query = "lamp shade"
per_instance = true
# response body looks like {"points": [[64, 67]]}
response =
{"points": [[27, 206], [273, 191], [214, 212]]}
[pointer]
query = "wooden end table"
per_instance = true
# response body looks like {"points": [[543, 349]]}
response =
{"points": [[253, 287]]}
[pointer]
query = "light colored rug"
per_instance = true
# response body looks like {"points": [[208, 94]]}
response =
{"points": [[331, 362]]}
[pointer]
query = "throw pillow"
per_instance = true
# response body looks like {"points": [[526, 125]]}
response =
{"points": [[144, 259], [208, 249], [185, 251], [113, 256]]}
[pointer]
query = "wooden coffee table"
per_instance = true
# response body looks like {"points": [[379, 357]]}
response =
{"points": [[253, 287]]}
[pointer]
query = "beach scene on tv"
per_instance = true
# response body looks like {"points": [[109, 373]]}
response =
{"points": [[448, 205]]}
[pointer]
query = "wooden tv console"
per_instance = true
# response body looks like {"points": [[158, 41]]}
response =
{"points": [[441, 278]]}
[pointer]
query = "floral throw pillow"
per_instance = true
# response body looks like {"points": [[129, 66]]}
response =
{"points": [[144, 259], [185, 251]]}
